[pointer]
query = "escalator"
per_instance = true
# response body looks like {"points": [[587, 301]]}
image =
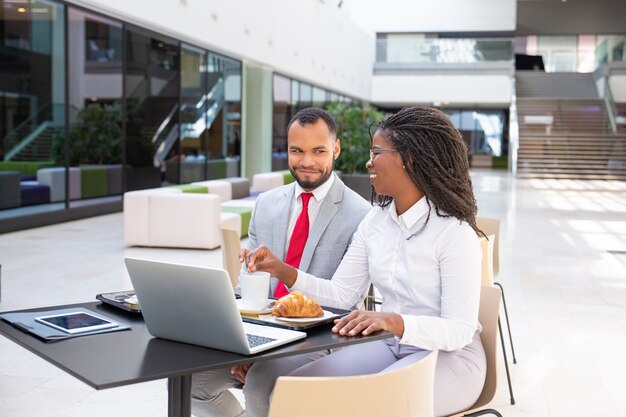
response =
{"points": [[187, 120]]}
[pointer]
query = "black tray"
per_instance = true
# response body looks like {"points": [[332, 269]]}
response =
{"points": [[116, 299]]}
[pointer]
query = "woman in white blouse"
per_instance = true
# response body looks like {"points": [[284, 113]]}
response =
{"points": [[420, 249]]}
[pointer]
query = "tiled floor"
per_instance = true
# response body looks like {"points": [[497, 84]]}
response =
{"points": [[563, 267]]}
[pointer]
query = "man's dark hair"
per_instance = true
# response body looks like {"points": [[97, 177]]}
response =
{"points": [[311, 115], [435, 157]]}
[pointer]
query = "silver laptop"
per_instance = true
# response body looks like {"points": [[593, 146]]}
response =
{"points": [[196, 305]]}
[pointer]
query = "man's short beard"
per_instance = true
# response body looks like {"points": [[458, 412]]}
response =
{"points": [[311, 185]]}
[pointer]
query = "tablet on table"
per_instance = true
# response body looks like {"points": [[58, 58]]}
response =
{"points": [[76, 322]]}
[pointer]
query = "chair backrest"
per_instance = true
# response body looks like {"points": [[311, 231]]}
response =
{"points": [[403, 392], [488, 316], [486, 246], [231, 246], [491, 226]]}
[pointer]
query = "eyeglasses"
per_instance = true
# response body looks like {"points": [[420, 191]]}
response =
{"points": [[377, 151]]}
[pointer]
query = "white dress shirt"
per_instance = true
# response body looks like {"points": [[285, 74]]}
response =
{"points": [[430, 276], [314, 206]]}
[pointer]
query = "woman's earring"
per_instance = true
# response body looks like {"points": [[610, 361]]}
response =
{"points": [[403, 167]]}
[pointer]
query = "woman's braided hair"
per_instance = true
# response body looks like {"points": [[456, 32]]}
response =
{"points": [[435, 157]]}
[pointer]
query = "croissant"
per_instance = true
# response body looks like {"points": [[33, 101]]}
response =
{"points": [[296, 304]]}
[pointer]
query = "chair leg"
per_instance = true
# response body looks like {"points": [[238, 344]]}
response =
{"points": [[483, 412], [506, 362], [508, 326]]}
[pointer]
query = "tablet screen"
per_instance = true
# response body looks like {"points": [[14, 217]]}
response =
{"points": [[76, 322]]}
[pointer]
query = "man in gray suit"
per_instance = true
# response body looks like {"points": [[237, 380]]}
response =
{"points": [[334, 212]]}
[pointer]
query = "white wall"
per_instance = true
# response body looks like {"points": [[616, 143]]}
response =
{"points": [[433, 15], [400, 90], [308, 39]]}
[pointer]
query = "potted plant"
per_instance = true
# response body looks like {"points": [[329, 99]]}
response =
{"points": [[353, 124]]}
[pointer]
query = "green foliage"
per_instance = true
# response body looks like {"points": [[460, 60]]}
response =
{"points": [[353, 123], [95, 137]]}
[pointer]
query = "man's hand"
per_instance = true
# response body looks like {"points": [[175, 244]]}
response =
{"points": [[242, 256], [368, 322], [262, 259], [240, 372]]}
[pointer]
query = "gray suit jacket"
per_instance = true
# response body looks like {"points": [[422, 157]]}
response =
{"points": [[339, 215]]}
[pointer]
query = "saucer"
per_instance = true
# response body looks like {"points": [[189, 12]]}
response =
{"points": [[243, 309], [303, 320]]}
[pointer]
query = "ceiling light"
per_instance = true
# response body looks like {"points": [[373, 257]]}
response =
{"points": [[21, 10]]}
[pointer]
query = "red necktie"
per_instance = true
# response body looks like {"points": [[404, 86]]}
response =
{"points": [[298, 239]]}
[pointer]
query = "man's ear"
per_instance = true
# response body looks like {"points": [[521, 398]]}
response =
{"points": [[337, 148]]}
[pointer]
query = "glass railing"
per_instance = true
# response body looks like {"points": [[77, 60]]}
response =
{"points": [[412, 49], [610, 48], [609, 103]]}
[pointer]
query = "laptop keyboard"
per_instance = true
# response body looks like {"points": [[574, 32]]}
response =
{"points": [[255, 340]]}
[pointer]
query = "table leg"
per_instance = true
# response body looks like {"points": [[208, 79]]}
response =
{"points": [[179, 396]]}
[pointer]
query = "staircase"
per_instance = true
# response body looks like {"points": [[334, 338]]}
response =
{"points": [[564, 130], [564, 85], [40, 148]]}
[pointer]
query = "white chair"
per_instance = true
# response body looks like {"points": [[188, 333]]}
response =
{"points": [[266, 181], [489, 264], [137, 214], [406, 392], [491, 226], [486, 246], [231, 247], [488, 316], [55, 179], [219, 187], [167, 217]]}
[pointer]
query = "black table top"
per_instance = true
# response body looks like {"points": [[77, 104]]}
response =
{"points": [[131, 356]]}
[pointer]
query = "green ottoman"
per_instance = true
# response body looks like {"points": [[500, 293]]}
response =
{"points": [[193, 188], [216, 169], [93, 181], [246, 215], [287, 176]]}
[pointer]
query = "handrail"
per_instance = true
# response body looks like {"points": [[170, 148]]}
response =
{"points": [[26, 141], [609, 102], [165, 122], [23, 124]]}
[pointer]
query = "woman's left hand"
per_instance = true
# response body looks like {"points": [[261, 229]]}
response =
{"points": [[368, 322]]}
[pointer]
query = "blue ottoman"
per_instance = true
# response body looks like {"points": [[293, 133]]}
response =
{"points": [[34, 193]]}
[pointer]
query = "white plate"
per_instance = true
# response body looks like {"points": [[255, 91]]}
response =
{"points": [[269, 306], [301, 320]]}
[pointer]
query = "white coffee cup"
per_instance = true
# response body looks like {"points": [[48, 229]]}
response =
{"points": [[255, 287]]}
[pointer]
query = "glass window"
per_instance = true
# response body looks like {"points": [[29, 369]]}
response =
{"points": [[193, 144], [152, 91], [95, 101], [483, 130], [224, 118], [319, 97], [306, 96], [283, 111], [32, 97]]}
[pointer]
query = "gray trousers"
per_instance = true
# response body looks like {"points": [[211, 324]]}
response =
{"points": [[459, 375], [209, 390]]}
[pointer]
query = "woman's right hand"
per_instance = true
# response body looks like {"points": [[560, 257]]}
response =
{"points": [[262, 259]]}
